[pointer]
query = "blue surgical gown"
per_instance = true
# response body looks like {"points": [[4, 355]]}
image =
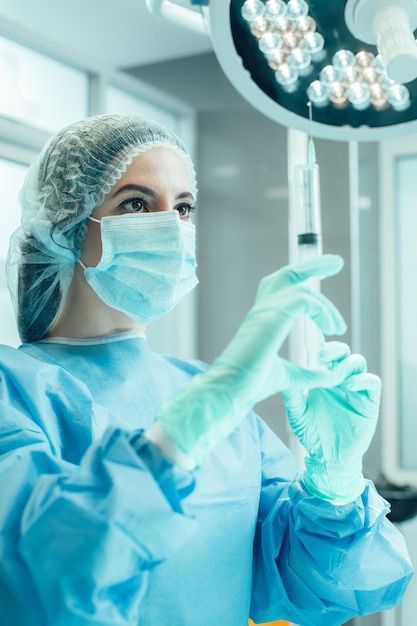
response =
{"points": [[97, 528]]}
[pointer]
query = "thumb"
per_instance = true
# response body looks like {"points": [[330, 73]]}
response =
{"points": [[298, 377]]}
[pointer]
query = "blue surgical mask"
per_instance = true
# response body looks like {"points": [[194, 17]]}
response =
{"points": [[148, 263]]}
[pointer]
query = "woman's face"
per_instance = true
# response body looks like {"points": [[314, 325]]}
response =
{"points": [[156, 180]]}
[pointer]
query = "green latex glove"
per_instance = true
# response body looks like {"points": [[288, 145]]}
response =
{"points": [[249, 369], [336, 425]]}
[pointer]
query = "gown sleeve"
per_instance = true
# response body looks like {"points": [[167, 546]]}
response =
{"points": [[318, 563], [78, 538]]}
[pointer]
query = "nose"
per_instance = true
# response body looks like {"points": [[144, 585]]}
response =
{"points": [[162, 203]]}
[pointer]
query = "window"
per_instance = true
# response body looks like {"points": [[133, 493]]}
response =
{"points": [[11, 179], [38, 90]]}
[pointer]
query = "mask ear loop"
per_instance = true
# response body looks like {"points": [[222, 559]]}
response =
{"points": [[93, 219]]}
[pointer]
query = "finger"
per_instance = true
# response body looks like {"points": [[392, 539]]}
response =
{"points": [[352, 365], [295, 407], [287, 305], [318, 308], [322, 267], [295, 402], [298, 377], [369, 383], [333, 352]]}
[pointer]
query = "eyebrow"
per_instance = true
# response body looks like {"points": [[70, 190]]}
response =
{"points": [[149, 192]]}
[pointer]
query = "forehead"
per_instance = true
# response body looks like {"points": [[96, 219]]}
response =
{"points": [[158, 163]]}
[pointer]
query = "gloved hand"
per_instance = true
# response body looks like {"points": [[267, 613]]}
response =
{"points": [[336, 425], [249, 369]]}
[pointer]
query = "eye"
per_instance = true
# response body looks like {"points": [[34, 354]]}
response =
{"points": [[135, 205], [185, 209]]}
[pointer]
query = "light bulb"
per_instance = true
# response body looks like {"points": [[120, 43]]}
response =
{"points": [[306, 24], [359, 95], [399, 97], [269, 42], [282, 25], [318, 93], [350, 74], [286, 75], [343, 58], [252, 9], [378, 96], [276, 59], [378, 65], [312, 43], [299, 59], [259, 27], [337, 94], [329, 74], [290, 40], [275, 8], [369, 75], [297, 8], [365, 59]]}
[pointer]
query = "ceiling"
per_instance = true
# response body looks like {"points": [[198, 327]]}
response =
{"points": [[197, 80], [106, 33]]}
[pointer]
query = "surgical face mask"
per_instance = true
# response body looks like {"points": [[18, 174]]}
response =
{"points": [[148, 263]]}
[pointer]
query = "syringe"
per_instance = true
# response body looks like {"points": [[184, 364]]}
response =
{"points": [[307, 197], [309, 237]]}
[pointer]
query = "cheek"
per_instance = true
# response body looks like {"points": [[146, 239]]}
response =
{"points": [[91, 252]]}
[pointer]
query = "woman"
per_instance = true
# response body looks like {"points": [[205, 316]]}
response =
{"points": [[142, 490]]}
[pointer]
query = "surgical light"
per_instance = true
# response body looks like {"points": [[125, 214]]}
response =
{"points": [[355, 60]]}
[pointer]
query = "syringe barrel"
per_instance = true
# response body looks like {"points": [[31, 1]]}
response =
{"points": [[307, 199], [312, 337], [310, 245]]}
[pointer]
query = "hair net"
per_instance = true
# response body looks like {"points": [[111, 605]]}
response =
{"points": [[70, 177]]}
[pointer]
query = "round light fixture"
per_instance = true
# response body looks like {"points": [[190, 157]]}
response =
{"points": [[280, 54]]}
